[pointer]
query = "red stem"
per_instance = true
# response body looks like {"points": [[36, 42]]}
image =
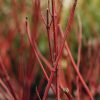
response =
{"points": [[67, 92], [36, 53], [79, 41], [55, 46], [38, 94], [7, 79], [48, 32], [79, 55], [43, 59], [68, 29], [48, 64], [76, 69], [39, 87], [7, 90], [33, 47], [58, 84], [54, 28]]}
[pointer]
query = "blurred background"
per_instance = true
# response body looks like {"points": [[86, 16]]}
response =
{"points": [[15, 47]]}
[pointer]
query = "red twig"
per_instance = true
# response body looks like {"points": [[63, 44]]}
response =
{"points": [[7, 90], [48, 32], [76, 69], [79, 41], [38, 94], [43, 59], [33, 47], [68, 94], [79, 55], [48, 64], [54, 28], [58, 83], [6, 76], [68, 29], [54, 20], [36, 53], [39, 87]]}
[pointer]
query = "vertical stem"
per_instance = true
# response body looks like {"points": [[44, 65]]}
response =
{"points": [[55, 46], [54, 28], [36, 53], [48, 32], [58, 89], [7, 90], [79, 55], [76, 69], [7, 79], [68, 29]]}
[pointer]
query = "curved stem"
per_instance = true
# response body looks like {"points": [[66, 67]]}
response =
{"points": [[76, 69], [36, 54], [7, 79], [68, 29]]}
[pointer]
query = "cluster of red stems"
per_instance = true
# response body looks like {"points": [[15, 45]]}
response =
{"points": [[52, 72]]}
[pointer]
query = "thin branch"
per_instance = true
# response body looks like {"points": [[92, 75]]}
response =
{"points": [[33, 47], [43, 58], [7, 90], [79, 41], [48, 64], [79, 54], [57, 83], [36, 53], [54, 28], [68, 29], [48, 32], [76, 69], [38, 94], [68, 94], [7, 79]]}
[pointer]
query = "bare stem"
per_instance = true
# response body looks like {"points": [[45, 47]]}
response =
{"points": [[48, 32], [68, 29], [76, 69], [54, 28], [79, 54], [36, 53], [7, 79], [7, 90]]}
